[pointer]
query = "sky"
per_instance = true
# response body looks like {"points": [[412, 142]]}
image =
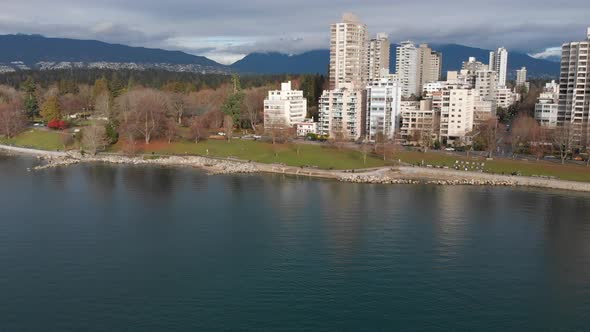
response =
{"points": [[227, 30]]}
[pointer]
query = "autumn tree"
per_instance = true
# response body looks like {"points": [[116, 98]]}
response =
{"points": [[94, 138], [12, 119], [51, 109], [522, 132]]}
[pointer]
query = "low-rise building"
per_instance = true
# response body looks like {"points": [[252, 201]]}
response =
{"points": [[284, 107], [505, 97], [306, 127], [418, 121]]}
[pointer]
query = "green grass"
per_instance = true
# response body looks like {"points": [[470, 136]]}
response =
{"points": [[503, 166], [37, 139], [309, 155]]}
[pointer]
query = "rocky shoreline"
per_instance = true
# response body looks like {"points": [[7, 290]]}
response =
{"points": [[384, 179], [213, 166], [385, 175]]}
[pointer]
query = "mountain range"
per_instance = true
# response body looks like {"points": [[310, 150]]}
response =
{"points": [[453, 55], [37, 52]]}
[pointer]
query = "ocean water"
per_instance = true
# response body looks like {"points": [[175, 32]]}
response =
{"points": [[120, 248]]}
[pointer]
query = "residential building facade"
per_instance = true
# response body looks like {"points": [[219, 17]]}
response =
{"points": [[456, 114], [499, 64], [383, 108], [429, 66], [348, 53], [406, 68], [574, 89], [285, 107], [378, 56], [341, 113], [305, 127]]}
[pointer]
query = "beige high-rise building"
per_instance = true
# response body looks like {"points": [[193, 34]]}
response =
{"points": [[429, 65], [378, 56], [349, 53]]}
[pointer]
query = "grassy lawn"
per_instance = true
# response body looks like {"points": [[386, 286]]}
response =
{"points": [[37, 139], [309, 155], [503, 166]]}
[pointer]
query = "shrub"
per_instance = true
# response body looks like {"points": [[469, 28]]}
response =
{"points": [[57, 124]]}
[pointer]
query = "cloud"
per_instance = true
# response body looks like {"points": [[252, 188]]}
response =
{"points": [[550, 52], [229, 29]]}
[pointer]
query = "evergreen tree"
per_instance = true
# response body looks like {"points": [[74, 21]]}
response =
{"points": [[31, 104], [234, 102]]}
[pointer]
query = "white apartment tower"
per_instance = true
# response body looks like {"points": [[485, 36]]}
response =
{"points": [[406, 68], [574, 89], [348, 53], [341, 112], [521, 77], [284, 108], [499, 64], [378, 56], [383, 108]]}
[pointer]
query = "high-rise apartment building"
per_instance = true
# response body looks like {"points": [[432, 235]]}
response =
{"points": [[429, 65], [499, 64], [416, 66], [348, 53], [341, 112], [574, 89], [284, 108], [383, 108], [378, 56], [521, 77], [406, 68]]}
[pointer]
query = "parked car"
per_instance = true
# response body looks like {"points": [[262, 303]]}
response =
{"points": [[221, 133], [450, 149], [579, 158]]}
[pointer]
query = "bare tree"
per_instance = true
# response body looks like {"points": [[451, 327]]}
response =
{"points": [[253, 106], [228, 125], [102, 105], [94, 138], [178, 105], [13, 119], [197, 129], [66, 140], [147, 113], [563, 138], [170, 130]]}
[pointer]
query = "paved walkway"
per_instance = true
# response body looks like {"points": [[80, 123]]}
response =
{"points": [[33, 152]]}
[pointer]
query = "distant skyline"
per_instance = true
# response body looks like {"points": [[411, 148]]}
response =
{"points": [[227, 30]]}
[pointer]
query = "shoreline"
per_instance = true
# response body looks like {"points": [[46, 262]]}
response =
{"points": [[383, 175]]}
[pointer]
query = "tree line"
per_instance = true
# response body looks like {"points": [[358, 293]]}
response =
{"points": [[140, 106]]}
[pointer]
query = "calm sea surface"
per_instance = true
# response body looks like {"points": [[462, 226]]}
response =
{"points": [[110, 248]]}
